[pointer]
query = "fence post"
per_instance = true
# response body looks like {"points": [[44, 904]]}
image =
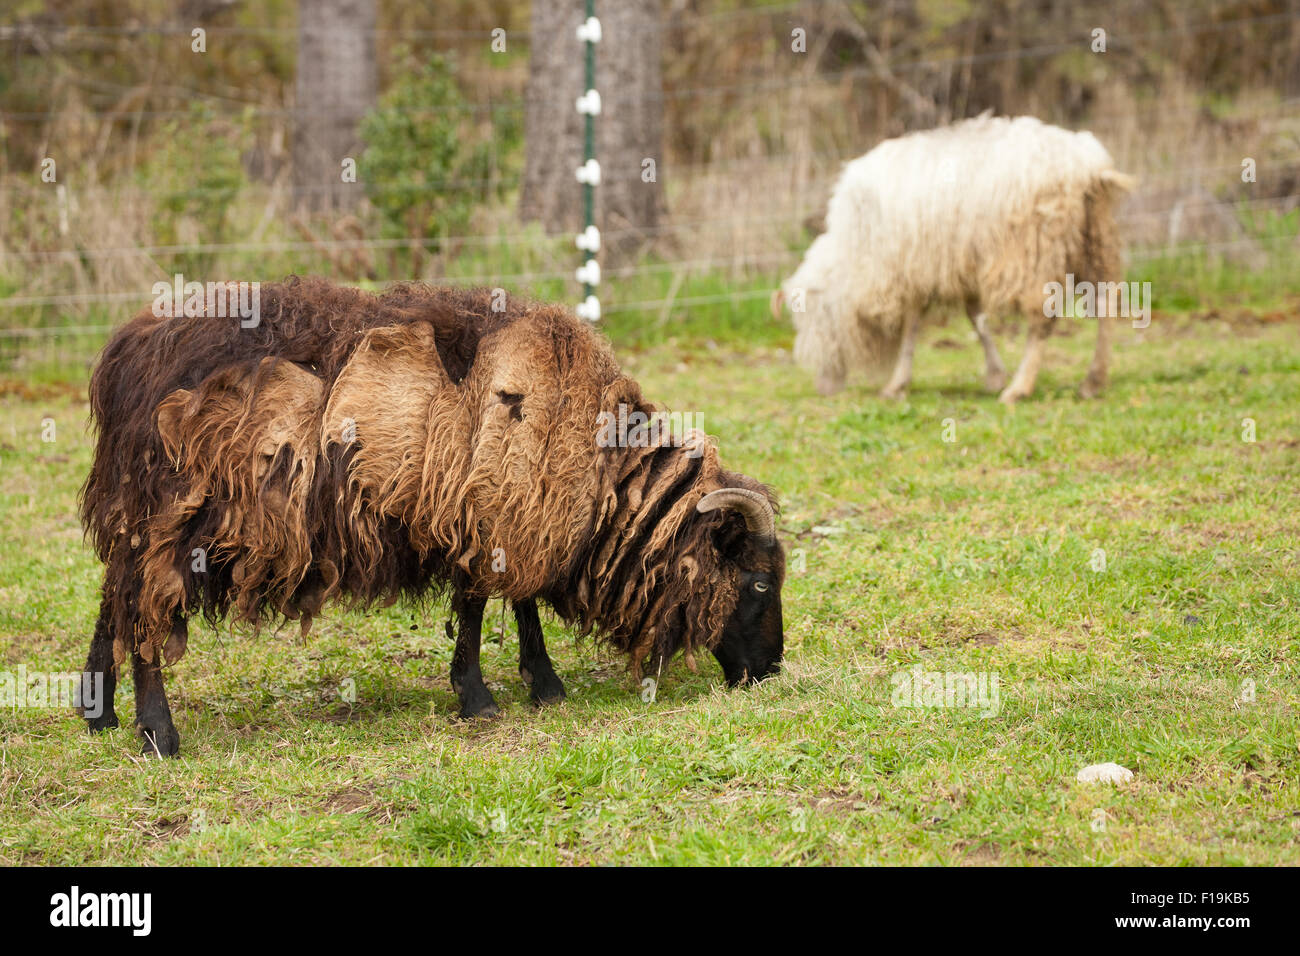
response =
{"points": [[588, 174]]}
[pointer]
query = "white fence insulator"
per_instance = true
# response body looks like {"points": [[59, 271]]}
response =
{"points": [[588, 274], [589, 31], [589, 172], [588, 240], [588, 102], [589, 309]]}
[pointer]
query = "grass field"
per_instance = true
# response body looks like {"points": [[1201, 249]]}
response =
{"points": [[1174, 653]]}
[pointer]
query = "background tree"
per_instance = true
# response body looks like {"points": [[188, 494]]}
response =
{"points": [[426, 166], [336, 85]]}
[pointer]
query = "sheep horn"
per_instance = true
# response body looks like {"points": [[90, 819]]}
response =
{"points": [[778, 300], [760, 519]]}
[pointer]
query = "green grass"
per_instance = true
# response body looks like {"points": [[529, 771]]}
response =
{"points": [[975, 555]]}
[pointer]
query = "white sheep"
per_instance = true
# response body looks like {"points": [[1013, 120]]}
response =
{"points": [[983, 213]]}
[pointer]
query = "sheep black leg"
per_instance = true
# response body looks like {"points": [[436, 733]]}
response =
{"points": [[544, 686], [153, 717], [466, 675], [99, 680]]}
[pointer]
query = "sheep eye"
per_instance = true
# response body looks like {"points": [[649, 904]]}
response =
{"points": [[761, 587]]}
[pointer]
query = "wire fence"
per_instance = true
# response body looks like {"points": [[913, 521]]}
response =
{"points": [[61, 348], [66, 325]]}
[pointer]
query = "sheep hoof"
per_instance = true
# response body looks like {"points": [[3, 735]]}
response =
{"points": [[546, 690], [481, 712], [1091, 388], [894, 392], [828, 385], [544, 687], [477, 703], [161, 742], [105, 721], [1011, 395], [995, 381]]}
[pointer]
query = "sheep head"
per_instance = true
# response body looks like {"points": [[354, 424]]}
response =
{"points": [[752, 562]]}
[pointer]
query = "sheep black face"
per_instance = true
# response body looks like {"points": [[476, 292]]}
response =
{"points": [[753, 639]]}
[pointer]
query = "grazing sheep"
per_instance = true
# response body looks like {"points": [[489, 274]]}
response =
{"points": [[983, 213], [368, 447]]}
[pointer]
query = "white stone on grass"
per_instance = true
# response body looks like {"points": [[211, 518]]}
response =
{"points": [[1105, 773]]}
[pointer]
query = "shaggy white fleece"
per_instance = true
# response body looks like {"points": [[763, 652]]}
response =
{"points": [[983, 212]]}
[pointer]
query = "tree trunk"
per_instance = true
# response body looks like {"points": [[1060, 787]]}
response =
{"points": [[629, 129], [552, 127], [337, 81], [631, 124]]}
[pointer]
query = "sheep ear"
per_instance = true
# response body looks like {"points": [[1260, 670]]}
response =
{"points": [[777, 301], [759, 517]]}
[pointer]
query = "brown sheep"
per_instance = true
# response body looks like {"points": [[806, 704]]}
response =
{"points": [[361, 447]]}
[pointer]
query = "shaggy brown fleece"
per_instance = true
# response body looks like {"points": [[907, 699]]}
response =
{"points": [[367, 447]]}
